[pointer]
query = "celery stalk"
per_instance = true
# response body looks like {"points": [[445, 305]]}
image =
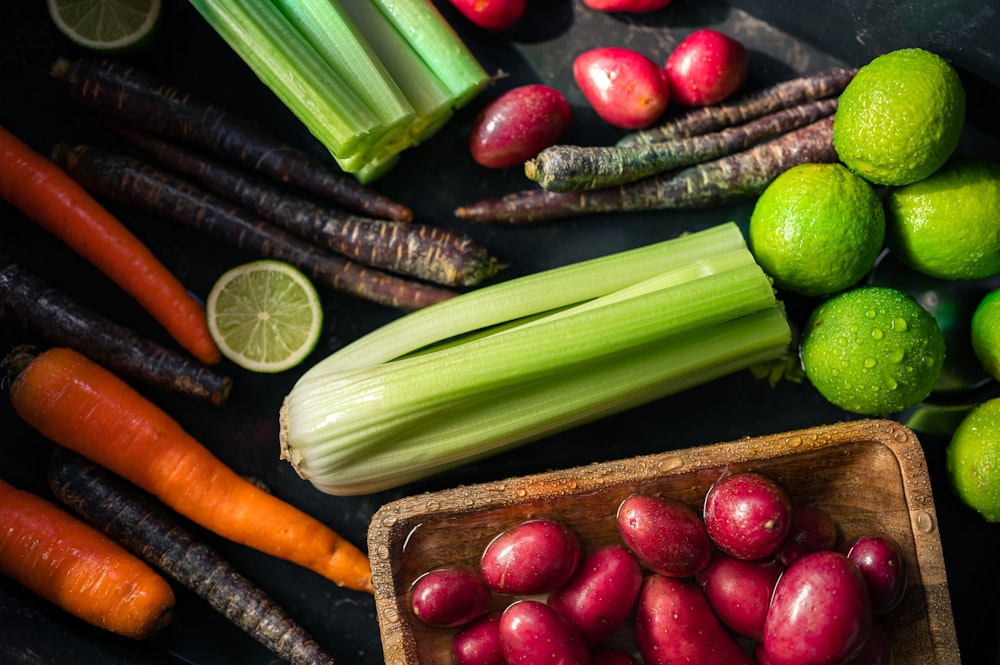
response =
{"points": [[370, 420], [293, 70], [546, 407], [437, 43]]}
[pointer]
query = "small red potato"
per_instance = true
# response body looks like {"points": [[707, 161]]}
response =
{"points": [[740, 591], [493, 15], [612, 656], [535, 556], [518, 125], [876, 651], [667, 536], [479, 642], [532, 633], [820, 613], [627, 6], [881, 563], [624, 87], [812, 530], [747, 515], [706, 68], [449, 596], [675, 624], [601, 594]]}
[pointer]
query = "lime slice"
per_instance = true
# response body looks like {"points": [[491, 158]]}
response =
{"points": [[106, 25], [264, 315]]}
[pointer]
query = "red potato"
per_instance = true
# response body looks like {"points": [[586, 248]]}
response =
{"points": [[479, 642], [812, 530], [747, 515], [493, 15], [675, 624], [600, 596], [706, 68], [876, 651], [881, 563], [535, 556], [624, 87], [667, 536], [449, 596], [627, 6], [740, 591], [532, 633], [518, 125], [820, 613]]}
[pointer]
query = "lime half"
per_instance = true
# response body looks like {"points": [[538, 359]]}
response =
{"points": [[106, 25], [265, 316]]}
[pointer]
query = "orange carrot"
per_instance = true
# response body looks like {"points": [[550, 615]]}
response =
{"points": [[75, 566], [86, 408], [51, 198]]}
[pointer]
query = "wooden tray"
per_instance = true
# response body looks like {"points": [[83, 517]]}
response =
{"points": [[870, 475]]}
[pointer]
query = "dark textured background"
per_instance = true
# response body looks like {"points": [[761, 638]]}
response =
{"points": [[785, 37]]}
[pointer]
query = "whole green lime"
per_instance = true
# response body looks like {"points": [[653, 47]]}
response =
{"points": [[900, 117], [986, 333], [973, 460], [948, 225], [872, 350], [817, 229]]}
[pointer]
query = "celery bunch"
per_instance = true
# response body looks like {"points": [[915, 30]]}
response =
{"points": [[368, 78], [518, 360]]}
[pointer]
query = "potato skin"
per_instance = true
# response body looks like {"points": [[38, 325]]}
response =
{"points": [[518, 125], [449, 596], [532, 633], [624, 87], [820, 613], [478, 643], [812, 530], [601, 595], [534, 556], [493, 15], [747, 515], [740, 591], [881, 563], [675, 624], [706, 68], [667, 536]]}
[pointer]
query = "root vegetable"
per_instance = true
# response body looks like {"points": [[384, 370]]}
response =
{"points": [[667, 536], [706, 68], [627, 6], [812, 530], [881, 562], [820, 613], [624, 87], [494, 15], [535, 556], [518, 125], [532, 633], [601, 595], [747, 515], [478, 643], [740, 591], [450, 596], [675, 624]]}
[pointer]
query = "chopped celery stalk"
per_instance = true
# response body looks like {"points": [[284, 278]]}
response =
{"points": [[329, 29], [293, 70], [437, 43], [529, 295], [421, 86], [377, 420], [526, 413]]}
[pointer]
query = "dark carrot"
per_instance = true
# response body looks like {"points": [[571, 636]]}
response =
{"points": [[564, 168], [735, 177], [747, 107], [53, 200], [75, 566], [26, 301], [128, 95], [419, 250], [144, 187], [150, 530], [78, 404]]}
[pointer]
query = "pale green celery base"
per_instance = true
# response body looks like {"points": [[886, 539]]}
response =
{"points": [[528, 412], [525, 296]]}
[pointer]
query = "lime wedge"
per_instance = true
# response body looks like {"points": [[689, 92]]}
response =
{"points": [[265, 316], [106, 25]]}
